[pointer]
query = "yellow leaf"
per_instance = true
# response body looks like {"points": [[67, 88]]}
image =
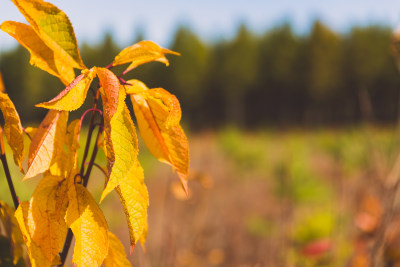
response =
{"points": [[54, 28], [134, 197], [73, 96], [41, 55], [2, 89], [13, 129], [46, 223], [116, 256], [141, 53], [158, 114], [110, 91], [36, 255], [12, 231], [46, 143], [66, 163], [121, 145], [135, 87], [89, 226]]}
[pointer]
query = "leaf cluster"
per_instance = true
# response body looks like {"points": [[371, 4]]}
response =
{"points": [[61, 200]]}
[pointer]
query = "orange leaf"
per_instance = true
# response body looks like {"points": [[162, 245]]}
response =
{"points": [[41, 55], [141, 53], [47, 140], [36, 256], [2, 89], [54, 28], [121, 145], [13, 129], [158, 114], [12, 231], [73, 96], [47, 210], [110, 84]]}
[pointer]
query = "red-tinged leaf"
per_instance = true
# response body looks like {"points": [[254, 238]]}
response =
{"points": [[89, 226], [13, 129], [116, 256], [73, 96], [36, 256], [158, 114], [111, 88], [54, 28], [47, 210], [121, 145], [41, 55], [47, 142], [141, 53]]}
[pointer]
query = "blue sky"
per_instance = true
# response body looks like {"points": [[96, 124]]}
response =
{"points": [[209, 18]]}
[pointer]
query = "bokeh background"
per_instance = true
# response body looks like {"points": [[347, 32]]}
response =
{"points": [[292, 112]]}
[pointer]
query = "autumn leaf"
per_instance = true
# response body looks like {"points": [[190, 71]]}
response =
{"points": [[121, 146], [134, 197], [13, 129], [65, 163], [111, 89], [89, 226], [42, 56], [47, 210], [116, 256], [113, 96], [135, 87], [36, 256], [12, 231], [46, 143], [2, 89], [141, 53], [73, 96], [158, 114], [54, 28]]}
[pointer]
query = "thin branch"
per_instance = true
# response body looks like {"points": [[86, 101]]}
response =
{"points": [[110, 66], [93, 157], [87, 111], [67, 244], [90, 132], [70, 235], [7, 171]]}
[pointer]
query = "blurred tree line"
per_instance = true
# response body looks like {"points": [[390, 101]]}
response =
{"points": [[278, 78]]}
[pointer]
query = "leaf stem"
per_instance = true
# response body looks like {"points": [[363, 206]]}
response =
{"points": [[90, 132], [92, 158], [70, 235], [7, 171]]}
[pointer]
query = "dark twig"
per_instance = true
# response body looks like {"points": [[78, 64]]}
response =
{"points": [[7, 171], [92, 158]]}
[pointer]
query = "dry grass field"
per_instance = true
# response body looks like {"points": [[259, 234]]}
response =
{"points": [[267, 198]]}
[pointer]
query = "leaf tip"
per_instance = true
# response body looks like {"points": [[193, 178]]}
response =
{"points": [[184, 184], [131, 249]]}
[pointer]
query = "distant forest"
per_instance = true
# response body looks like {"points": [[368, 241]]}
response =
{"points": [[278, 78]]}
